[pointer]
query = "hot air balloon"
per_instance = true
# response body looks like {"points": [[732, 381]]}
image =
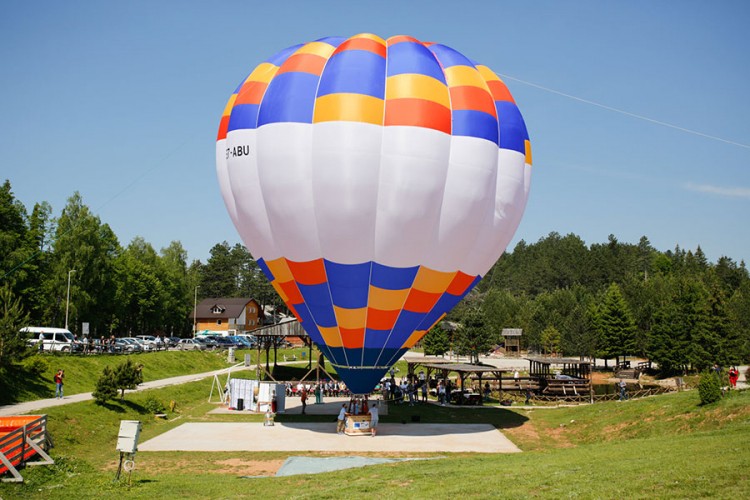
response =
{"points": [[375, 182]]}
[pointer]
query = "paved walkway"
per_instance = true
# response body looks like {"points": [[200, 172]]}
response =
{"points": [[40, 404], [300, 436]]}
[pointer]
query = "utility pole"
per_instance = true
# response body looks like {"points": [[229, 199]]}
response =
{"points": [[195, 312], [67, 301]]}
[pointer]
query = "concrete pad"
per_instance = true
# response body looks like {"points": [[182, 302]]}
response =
{"points": [[292, 436]]}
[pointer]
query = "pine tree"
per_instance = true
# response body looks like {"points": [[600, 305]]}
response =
{"points": [[436, 342], [617, 325], [106, 386], [127, 376]]}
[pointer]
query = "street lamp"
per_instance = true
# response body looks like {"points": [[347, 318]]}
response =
{"points": [[67, 301], [195, 311]]}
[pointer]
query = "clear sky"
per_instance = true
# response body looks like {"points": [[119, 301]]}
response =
{"points": [[638, 111]]}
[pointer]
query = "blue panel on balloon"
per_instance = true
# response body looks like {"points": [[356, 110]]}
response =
{"points": [[354, 72], [390, 357], [375, 338], [308, 323], [449, 57], [410, 57], [337, 356], [392, 278], [244, 116], [266, 270], [360, 380], [445, 303], [512, 127], [290, 97], [406, 323], [472, 123], [380, 357], [315, 295], [349, 284]]}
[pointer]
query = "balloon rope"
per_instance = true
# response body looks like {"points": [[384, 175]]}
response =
{"points": [[626, 113]]}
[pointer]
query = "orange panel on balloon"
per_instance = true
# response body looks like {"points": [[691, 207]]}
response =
{"points": [[381, 320], [460, 283], [421, 302], [292, 292], [308, 273], [353, 338]]}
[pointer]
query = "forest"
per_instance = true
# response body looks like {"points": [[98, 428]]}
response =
{"points": [[606, 300]]}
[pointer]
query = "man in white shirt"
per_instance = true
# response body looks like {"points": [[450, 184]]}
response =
{"points": [[374, 417], [341, 421]]}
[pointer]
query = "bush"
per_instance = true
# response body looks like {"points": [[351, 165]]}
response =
{"points": [[709, 388], [36, 364], [106, 387], [153, 405]]}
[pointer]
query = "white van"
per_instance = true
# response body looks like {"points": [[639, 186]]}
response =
{"points": [[54, 339]]}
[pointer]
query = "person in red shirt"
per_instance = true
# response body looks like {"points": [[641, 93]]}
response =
{"points": [[303, 398], [59, 383], [734, 374]]}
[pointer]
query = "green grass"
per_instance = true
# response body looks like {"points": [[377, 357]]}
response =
{"points": [[81, 372], [661, 447]]}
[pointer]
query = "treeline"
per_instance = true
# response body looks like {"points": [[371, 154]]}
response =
{"points": [[118, 290], [605, 300], [608, 300]]}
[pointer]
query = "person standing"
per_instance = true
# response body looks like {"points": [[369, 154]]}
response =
{"points": [[441, 393], [734, 375], [303, 398], [374, 418], [623, 390], [59, 383], [341, 420], [424, 391]]}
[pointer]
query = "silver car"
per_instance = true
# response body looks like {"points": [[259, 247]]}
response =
{"points": [[190, 345]]}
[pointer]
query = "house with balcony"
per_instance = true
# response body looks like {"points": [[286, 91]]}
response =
{"points": [[227, 316]]}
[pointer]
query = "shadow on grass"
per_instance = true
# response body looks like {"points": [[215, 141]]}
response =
{"points": [[500, 418], [122, 405], [18, 381]]}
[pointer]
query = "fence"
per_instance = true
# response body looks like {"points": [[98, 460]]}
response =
{"points": [[22, 438]]}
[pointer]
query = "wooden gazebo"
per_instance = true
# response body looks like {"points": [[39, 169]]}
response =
{"points": [[464, 370], [512, 340]]}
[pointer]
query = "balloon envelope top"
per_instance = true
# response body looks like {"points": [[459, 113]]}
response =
{"points": [[375, 181]]}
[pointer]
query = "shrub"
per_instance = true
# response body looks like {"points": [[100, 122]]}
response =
{"points": [[153, 405], [709, 388], [106, 387], [36, 364]]}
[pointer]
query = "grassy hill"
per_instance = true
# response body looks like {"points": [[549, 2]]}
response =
{"points": [[661, 447], [33, 379]]}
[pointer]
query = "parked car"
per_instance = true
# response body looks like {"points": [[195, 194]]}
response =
{"points": [[190, 345], [149, 340], [242, 342], [172, 341], [135, 341], [208, 342], [145, 346], [221, 342], [128, 344]]}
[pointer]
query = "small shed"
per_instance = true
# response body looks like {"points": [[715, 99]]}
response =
{"points": [[512, 338]]}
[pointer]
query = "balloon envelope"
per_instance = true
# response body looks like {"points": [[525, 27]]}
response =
{"points": [[375, 182]]}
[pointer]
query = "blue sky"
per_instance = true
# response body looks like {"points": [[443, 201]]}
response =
{"points": [[637, 111]]}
